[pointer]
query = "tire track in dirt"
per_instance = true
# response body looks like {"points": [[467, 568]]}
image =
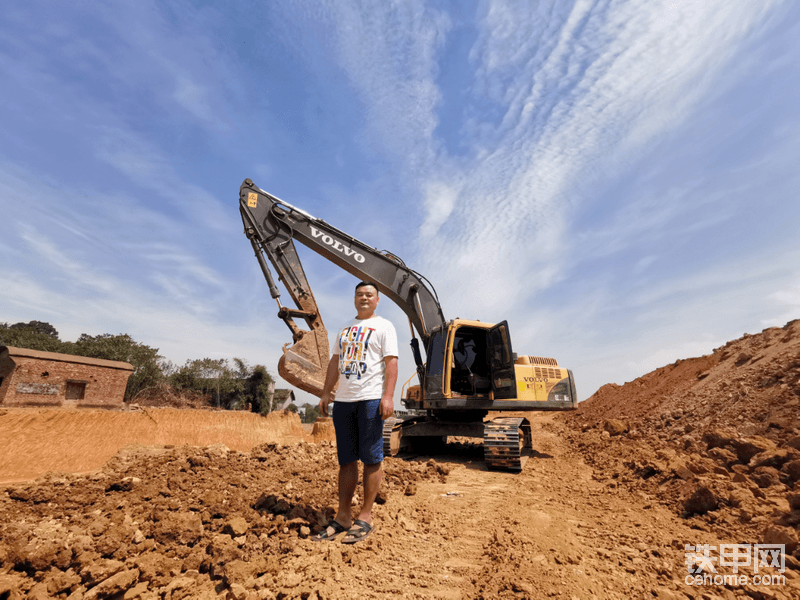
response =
{"points": [[555, 531], [516, 532]]}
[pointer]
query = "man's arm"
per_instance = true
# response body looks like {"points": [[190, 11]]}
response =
{"points": [[331, 376], [389, 383]]}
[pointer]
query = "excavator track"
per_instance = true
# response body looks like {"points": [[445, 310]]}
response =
{"points": [[391, 436], [507, 443], [405, 434]]}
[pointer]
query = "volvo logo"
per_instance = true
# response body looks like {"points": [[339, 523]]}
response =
{"points": [[336, 244]]}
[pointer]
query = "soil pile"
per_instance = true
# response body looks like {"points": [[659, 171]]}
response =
{"points": [[752, 384], [716, 437], [323, 430], [188, 522], [207, 522]]}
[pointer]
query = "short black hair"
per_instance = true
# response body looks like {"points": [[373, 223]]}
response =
{"points": [[361, 284]]}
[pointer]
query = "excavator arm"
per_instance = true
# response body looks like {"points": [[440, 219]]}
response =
{"points": [[272, 226]]}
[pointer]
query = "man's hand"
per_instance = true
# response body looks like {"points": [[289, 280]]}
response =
{"points": [[324, 401], [390, 381], [328, 395], [387, 407]]}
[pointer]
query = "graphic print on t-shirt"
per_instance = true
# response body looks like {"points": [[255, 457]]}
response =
{"points": [[353, 342]]}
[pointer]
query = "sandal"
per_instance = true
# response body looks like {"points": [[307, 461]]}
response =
{"points": [[359, 531], [324, 536]]}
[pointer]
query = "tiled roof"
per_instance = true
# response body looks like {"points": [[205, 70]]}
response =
{"points": [[70, 358]]}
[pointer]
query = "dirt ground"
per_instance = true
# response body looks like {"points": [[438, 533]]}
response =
{"points": [[34, 441], [702, 452]]}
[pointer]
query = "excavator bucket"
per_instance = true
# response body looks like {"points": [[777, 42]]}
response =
{"points": [[305, 363]]}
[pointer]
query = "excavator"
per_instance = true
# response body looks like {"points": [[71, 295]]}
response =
{"points": [[469, 368]]}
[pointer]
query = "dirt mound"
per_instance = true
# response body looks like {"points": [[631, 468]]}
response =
{"points": [[716, 438], [323, 430], [285, 425], [752, 384], [181, 522]]}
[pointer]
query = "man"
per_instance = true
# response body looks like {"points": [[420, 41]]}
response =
{"points": [[364, 362]]}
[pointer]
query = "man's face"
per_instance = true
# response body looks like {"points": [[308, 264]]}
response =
{"points": [[366, 299]]}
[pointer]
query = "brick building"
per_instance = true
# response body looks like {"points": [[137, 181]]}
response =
{"points": [[34, 378]]}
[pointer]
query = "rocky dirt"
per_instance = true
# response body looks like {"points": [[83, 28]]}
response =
{"points": [[704, 451]]}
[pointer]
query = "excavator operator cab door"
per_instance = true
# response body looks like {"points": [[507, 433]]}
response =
{"points": [[501, 362]]}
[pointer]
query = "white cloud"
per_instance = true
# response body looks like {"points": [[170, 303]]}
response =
{"points": [[609, 335], [175, 55], [147, 167], [644, 263], [101, 246], [665, 356], [387, 52], [582, 90], [58, 261], [579, 91], [121, 267], [193, 97], [440, 200], [788, 300]]}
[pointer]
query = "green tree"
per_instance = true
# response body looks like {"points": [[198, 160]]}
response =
{"points": [[227, 386], [40, 326], [144, 359], [310, 414], [35, 335], [259, 390], [240, 396], [241, 370], [212, 375], [202, 376]]}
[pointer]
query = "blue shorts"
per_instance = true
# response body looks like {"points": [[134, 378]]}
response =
{"points": [[359, 431]]}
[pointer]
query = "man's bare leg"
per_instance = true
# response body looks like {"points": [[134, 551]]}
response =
{"points": [[348, 480], [373, 474]]}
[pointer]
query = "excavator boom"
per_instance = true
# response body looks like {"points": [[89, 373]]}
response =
{"points": [[272, 225]]}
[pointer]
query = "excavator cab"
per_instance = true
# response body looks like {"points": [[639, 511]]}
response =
{"points": [[470, 365], [501, 362], [481, 361], [469, 370]]}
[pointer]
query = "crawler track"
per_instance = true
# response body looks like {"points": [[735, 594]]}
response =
{"points": [[390, 425], [507, 443]]}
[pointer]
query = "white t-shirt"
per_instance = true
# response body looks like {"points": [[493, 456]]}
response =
{"points": [[361, 346]]}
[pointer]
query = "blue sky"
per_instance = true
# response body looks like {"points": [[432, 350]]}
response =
{"points": [[618, 180]]}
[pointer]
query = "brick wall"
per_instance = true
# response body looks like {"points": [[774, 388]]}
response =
{"points": [[33, 378]]}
